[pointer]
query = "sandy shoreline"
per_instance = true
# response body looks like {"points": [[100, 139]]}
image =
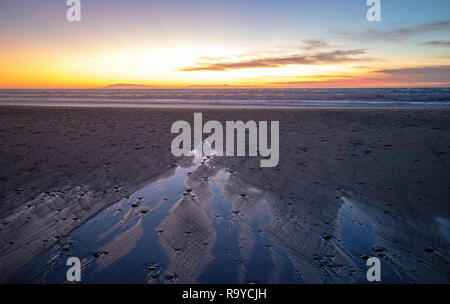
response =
{"points": [[60, 166]]}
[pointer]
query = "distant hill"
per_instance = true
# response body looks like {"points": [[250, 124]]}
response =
{"points": [[219, 86], [125, 86], [129, 86]]}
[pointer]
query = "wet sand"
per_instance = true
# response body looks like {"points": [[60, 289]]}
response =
{"points": [[351, 183]]}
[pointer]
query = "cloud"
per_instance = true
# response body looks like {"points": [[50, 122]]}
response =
{"points": [[424, 74], [436, 43], [412, 76], [317, 58], [315, 44], [398, 33], [417, 70]]}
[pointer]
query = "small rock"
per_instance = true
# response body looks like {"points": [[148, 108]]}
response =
{"points": [[152, 266], [327, 237], [378, 249], [429, 249]]}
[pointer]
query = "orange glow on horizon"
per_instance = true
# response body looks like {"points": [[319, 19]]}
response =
{"points": [[88, 68]]}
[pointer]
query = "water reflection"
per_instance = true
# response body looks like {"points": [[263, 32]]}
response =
{"points": [[203, 224]]}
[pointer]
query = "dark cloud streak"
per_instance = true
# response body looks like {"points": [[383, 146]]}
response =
{"points": [[318, 58], [398, 33], [426, 74], [445, 43], [315, 44], [440, 69]]}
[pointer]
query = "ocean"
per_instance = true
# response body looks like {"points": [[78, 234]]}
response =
{"points": [[365, 97]]}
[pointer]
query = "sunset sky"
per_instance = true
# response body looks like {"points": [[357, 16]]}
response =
{"points": [[176, 43]]}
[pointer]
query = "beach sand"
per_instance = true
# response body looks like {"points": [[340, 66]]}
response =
{"points": [[60, 166]]}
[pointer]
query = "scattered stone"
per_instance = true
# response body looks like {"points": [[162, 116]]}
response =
{"points": [[429, 249], [152, 266]]}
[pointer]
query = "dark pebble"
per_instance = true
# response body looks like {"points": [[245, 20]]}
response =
{"points": [[429, 249]]}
